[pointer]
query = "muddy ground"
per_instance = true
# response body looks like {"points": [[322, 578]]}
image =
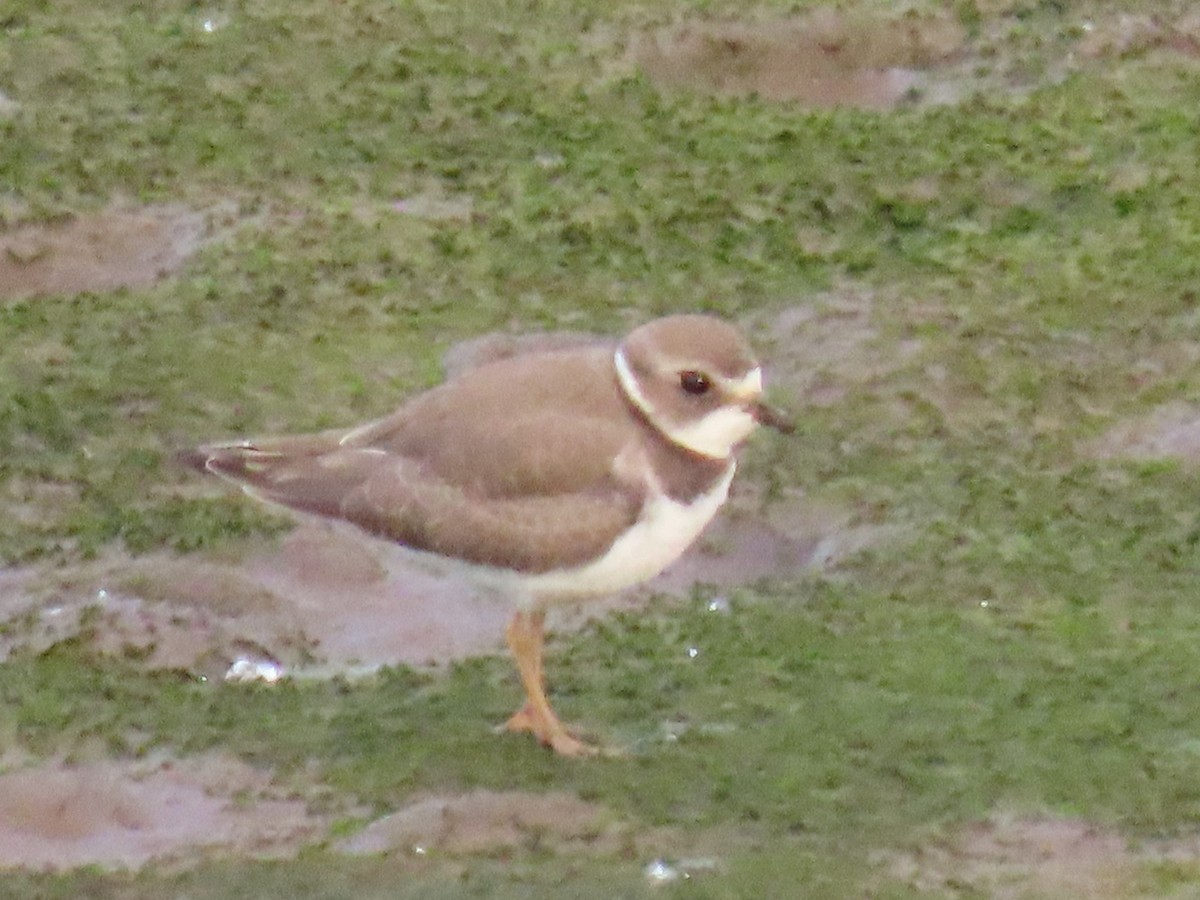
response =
{"points": [[323, 600]]}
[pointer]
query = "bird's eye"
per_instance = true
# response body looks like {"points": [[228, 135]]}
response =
{"points": [[694, 382]]}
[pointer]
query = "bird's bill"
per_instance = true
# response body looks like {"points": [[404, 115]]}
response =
{"points": [[771, 417]]}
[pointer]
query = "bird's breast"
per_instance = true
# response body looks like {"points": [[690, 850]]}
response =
{"points": [[662, 532]]}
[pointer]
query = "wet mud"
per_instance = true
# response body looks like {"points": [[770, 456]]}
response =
{"points": [[119, 247], [123, 815], [1009, 857]]}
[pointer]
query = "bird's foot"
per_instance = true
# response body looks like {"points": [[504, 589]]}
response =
{"points": [[564, 743], [552, 734]]}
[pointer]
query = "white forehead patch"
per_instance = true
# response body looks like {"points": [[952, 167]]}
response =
{"points": [[749, 385]]}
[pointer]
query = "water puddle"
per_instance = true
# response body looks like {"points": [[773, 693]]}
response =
{"points": [[322, 601]]}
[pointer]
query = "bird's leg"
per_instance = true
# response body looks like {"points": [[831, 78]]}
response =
{"points": [[526, 635], [533, 624]]}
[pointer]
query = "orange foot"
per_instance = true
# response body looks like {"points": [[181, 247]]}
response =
{"points": [[552, 734], [525, 638]]}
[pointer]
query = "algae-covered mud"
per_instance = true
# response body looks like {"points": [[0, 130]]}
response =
{"points": [[939, 644]]}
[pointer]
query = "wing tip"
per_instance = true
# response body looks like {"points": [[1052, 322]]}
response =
{"points": [[223, 459]]}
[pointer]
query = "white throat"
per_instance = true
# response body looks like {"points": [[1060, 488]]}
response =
{"points": [[715, 435]]}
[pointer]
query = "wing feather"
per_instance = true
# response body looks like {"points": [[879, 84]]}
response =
{"points": [[535, 533], [507, 465]]}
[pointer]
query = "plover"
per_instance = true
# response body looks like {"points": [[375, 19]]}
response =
{"points": [[558, 475]]}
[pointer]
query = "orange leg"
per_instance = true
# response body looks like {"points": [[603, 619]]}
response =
{"points": [[529, 627], [525, 635]]}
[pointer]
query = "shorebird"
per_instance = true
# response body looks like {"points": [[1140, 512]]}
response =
{"points": [[558, 475]]}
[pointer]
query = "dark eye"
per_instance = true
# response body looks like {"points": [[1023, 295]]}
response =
{"points": [[694, 382]]}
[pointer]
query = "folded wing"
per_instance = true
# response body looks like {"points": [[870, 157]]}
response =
{"points": [[465, 471]]}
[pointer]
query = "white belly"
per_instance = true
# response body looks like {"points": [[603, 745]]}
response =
{"points": [[665, 529]]}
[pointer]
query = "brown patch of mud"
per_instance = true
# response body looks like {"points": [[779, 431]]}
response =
{"points": [[1135, 34], [489, 822], [1171, 431], [512, 823], [1012, 857], [102, 251], [324, 600], [820, 350], [825, 58], [829, 58], [124, 815], [163, 613], [390, 606]]}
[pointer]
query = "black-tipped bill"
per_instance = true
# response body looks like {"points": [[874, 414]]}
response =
{"points": [[771, 417]]}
